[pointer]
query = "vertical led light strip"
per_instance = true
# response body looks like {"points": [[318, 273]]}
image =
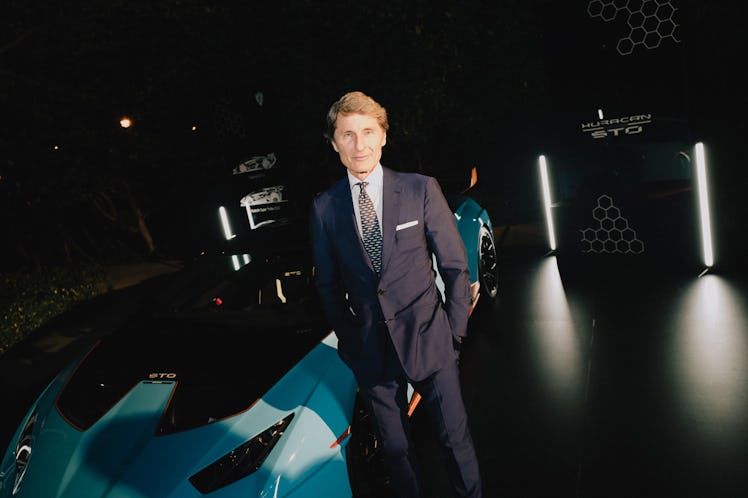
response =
{"points": [[547, 201], [706, 224], [225, 223]]}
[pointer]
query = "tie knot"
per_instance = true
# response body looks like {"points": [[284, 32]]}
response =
{"points": [[362, 185]]}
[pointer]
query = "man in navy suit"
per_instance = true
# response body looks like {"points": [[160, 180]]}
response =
{"points": [[373, 236]]}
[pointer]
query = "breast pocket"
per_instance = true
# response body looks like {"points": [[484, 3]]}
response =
{"points": [[409, 234]]}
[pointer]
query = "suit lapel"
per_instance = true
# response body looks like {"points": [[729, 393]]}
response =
{"points": [[390, 210], [346, 226]]}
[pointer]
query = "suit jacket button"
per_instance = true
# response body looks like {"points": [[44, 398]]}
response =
{"points": [[380, 291]]}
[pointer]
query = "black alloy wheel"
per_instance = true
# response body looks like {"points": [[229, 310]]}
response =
{"points": [[488, 267]]}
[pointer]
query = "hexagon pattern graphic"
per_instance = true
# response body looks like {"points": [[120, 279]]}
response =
{"points": [[650, 22], [612, 235]]}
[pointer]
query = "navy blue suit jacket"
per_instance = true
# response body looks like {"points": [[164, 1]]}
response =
{"points": [[416, 223]]}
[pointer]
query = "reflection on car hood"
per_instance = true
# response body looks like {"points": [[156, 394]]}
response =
{"points": [[219, 368]]}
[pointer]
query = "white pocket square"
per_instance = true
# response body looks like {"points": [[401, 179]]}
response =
{"points": [[409, 224]]}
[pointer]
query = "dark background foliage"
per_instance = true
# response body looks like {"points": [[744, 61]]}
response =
{"points": [[209, 84], [73, 181]]}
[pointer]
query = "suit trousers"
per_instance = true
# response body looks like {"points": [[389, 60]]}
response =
{"points": [[441, 397]]}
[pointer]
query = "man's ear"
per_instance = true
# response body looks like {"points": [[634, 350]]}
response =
{"points": [[384, 140], [335, 147]]}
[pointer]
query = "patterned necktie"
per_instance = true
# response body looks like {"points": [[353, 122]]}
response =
{"points": [[370, 228]]}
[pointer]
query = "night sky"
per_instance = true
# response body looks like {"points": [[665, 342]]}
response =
{"points": [[209, 84]]}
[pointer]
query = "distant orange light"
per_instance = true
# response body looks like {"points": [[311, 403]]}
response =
{"points": [[56, 147], [194, 127], [125, 122]]}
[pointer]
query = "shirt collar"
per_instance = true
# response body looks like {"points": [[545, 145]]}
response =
{"points": [[374, 179]]}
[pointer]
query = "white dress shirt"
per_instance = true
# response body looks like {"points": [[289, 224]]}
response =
{"points": [[374, 189]]}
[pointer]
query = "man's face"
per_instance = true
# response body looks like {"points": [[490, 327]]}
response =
{"points": [[359, 140]]}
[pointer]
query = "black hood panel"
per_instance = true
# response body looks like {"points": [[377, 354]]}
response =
{"points": [[221, 364]]}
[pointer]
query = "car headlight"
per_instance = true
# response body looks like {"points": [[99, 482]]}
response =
{"points": [[23, 452], [241, 461]]}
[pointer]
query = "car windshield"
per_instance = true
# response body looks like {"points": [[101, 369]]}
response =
{"points": [[650, 168]]}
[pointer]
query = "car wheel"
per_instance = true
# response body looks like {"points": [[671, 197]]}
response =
{"points": [[488, 267], [366, 471]]}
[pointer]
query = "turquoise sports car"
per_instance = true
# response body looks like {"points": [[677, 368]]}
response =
{"points": [[227, 384]]}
